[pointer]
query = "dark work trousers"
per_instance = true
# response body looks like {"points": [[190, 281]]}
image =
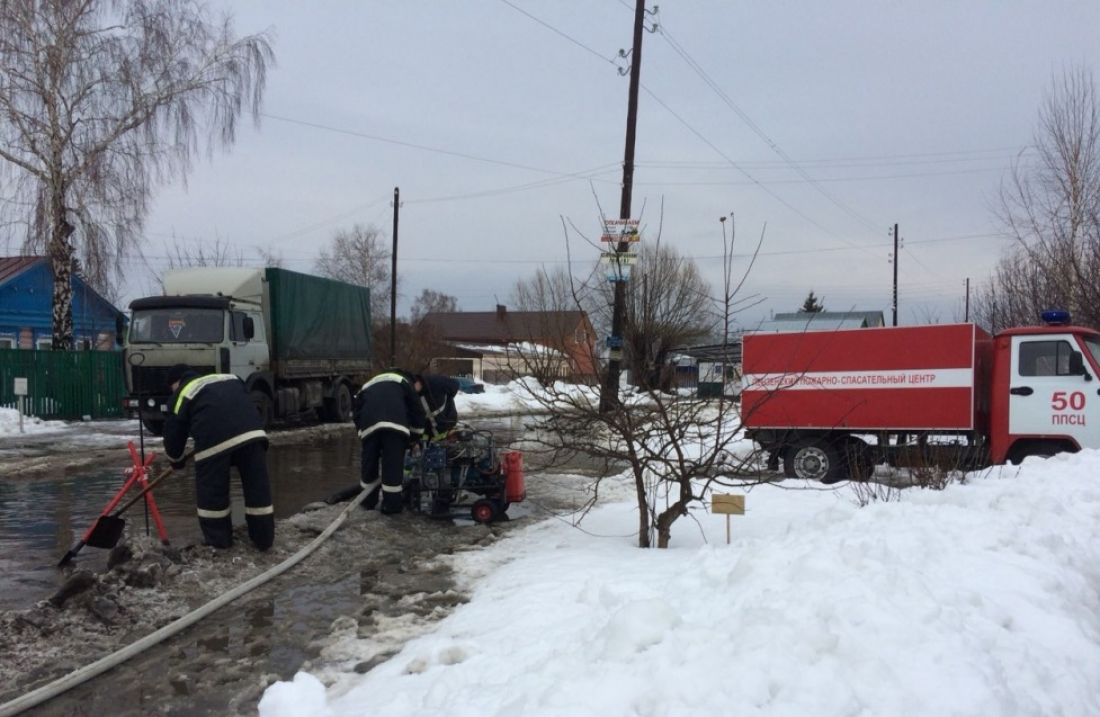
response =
{"points": [[388, 448], [212, 488]]}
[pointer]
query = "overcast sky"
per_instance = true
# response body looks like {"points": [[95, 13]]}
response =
{"points": [[496, 126]]}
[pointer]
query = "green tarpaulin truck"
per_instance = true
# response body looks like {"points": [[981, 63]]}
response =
{"points": [[299, 342]]}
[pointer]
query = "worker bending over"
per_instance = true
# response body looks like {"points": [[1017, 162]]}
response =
{"points": [[437, 397], [389, 417], [217, 412]]}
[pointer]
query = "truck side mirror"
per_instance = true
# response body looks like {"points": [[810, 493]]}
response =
{"points": [[120, 330], [1077, 365], [249, 327]]}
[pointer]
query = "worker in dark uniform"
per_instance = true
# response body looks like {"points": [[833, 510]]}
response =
{"points": [[390, 418], [437, 396], [217, 412]]}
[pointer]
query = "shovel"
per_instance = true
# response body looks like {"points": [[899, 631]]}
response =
{"points": [[107, 529]]}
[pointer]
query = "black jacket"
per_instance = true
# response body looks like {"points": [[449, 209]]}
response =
{"points": [[389, 401], [216, 411], [438, 394]]}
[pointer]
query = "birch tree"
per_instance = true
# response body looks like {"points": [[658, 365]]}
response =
{"points": [[99, 103]]}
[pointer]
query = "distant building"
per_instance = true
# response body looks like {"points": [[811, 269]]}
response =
{"points": [[491, 345], [26, 308], [821, 321]]}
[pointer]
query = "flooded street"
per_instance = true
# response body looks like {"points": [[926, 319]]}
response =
{"points": [[379, 578], [41, 517]]}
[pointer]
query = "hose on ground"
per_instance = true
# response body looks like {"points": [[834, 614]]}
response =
{"points": [[63, 684]]}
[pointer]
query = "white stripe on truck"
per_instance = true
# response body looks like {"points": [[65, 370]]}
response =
{"points": [[870, 378]]}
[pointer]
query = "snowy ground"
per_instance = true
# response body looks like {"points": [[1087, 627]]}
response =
{"points": [[9, 423], [983, 599]]}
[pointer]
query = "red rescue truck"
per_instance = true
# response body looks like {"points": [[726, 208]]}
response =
{"points": [[832, 404]]}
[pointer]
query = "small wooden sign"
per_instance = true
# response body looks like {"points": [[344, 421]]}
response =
{"points": [[728, 504]]}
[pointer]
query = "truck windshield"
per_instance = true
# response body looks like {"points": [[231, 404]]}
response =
{"points": [[177, 326]]}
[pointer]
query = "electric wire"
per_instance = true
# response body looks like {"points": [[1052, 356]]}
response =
{"points": [[756, 129]]}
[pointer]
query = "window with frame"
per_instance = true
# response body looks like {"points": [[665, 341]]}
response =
{"points": [[7, 342], [1044, 358], [44, 344], [236, 331]]}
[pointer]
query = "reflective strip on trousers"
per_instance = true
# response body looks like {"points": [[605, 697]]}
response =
{"points": [[383, 424], [265, 510], [373, 485], [395, 377], [214, 514], [231, 443], [391, 489]]}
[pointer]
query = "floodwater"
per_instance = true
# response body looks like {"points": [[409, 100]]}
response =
{"points": [[392, 589], [42, 517]]}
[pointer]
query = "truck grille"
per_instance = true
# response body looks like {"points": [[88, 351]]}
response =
{"points": [[153, 380]]}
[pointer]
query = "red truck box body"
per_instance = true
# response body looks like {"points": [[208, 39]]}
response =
{"points": [[902, 378]]}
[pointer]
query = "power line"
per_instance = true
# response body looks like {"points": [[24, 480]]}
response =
{"points": [[866, 178], [413, 145], [684, 55], [709, 257], [558, 32]]}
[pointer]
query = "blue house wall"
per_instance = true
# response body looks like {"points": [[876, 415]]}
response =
{"points": [[26, 313]]}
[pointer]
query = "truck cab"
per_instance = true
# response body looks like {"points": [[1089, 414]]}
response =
{"points": [[1046, 398], [212, 334]]}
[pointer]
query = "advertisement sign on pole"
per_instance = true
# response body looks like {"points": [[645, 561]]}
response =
{"points": [[620, 230]]}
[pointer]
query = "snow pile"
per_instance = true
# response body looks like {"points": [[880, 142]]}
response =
{"points": [[980, 599], [9, 423], [496, 399]]}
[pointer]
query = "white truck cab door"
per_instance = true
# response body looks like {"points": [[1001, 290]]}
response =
{"points": [[249, 355], [1046, 396]]}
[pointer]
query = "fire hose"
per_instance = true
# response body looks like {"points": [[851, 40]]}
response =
{"points": [[63, 684]]}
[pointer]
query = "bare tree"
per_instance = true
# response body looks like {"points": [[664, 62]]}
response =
{"points": [[359, 256], [668, 305], [676, 448], [1050, 204], [100, 101], [431, 301], [185, 254]]}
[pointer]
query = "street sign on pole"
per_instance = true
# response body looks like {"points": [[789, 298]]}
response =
{"points": [[20, 390]]}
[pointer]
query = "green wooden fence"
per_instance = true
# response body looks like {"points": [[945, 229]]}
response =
{"points": [[64, 384]]}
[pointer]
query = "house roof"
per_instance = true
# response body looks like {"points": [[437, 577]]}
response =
{"points": [[13, 266], [502, 326], [870, 319]]}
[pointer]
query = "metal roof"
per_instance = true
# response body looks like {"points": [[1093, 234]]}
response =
{"points": [[12, 266], [503, 326], [815, 324]]}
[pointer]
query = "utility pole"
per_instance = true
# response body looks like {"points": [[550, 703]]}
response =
{"points": [[895, 274], [966, 312], [393, 280], [609, 393]]}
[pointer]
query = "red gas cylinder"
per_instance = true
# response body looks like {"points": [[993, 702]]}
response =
{"points": [[515, 489]]}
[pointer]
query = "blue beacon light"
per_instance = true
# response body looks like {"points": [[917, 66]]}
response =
{"points": [[1055, 317]]}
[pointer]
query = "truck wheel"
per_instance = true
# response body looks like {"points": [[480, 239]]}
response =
{"points": [[154, 426], [813, 460], [263, 406], [338, 408]]}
